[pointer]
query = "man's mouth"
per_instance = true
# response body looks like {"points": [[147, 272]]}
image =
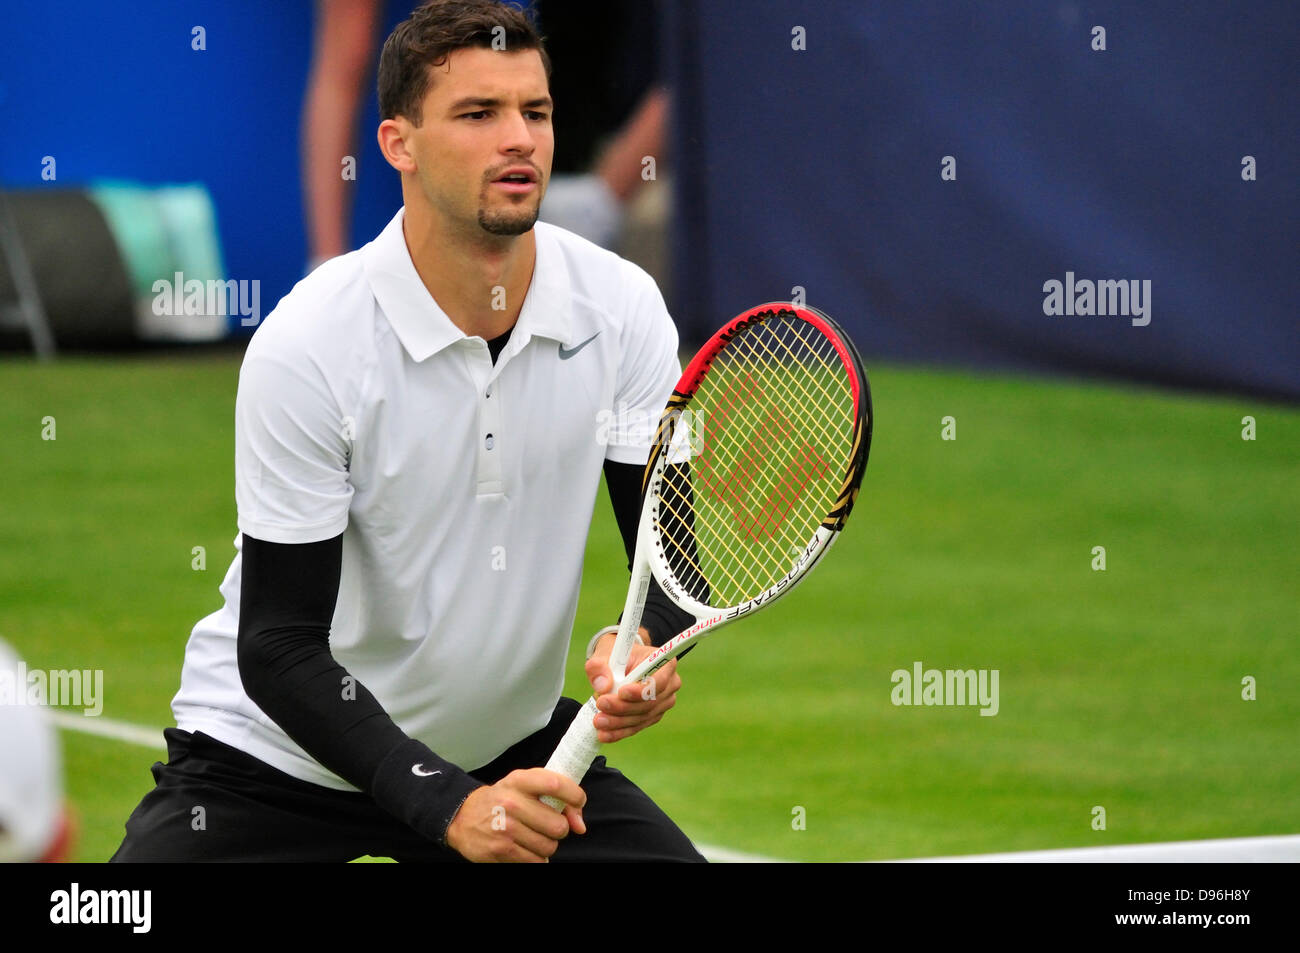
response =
{"points": [[519, 181]]}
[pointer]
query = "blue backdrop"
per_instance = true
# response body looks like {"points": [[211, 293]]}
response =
{"points": [[820, 168], [115, 91], [817, 168]]}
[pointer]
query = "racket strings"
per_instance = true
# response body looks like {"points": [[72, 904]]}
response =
{"points": [[754, 471], [771, 434], [728, 563], [675, 525], [824, 381], [822, 428]]}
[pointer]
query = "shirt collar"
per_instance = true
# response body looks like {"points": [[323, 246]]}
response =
{"points": [[424, 328]]}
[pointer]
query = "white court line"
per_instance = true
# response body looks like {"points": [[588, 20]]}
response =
{"points": [[1227, 850], [725, 855], [107, 728]]}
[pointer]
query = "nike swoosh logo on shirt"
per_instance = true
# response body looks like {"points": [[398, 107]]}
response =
{"points": [[419, 772], [565, 355]]}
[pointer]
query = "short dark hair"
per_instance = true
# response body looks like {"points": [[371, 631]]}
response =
{"points": [[435, 30]]}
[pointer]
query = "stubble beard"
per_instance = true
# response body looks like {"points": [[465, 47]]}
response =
{"points": [[507, 221]]}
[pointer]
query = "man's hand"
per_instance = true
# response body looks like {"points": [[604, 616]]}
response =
{"points": [[636, 705], [508, 822]]}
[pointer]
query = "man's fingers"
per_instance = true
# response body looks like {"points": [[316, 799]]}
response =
{"points": [[610, 728], [543, 820], [531, 825], [615, 713], [641, 697], [609, 736], [536, 783], [508, 822], [539, 782], [598, 670], [598, 675], [542, 842], [575, 819], [522, 844], [666, 682], [636, 705]]}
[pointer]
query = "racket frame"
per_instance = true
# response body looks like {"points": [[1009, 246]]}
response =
{"points": [[579, 747]]}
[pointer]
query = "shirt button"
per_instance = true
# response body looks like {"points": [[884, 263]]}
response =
{"points": [[487, 441]]}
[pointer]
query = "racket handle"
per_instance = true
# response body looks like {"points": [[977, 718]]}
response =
{"points": [[576, 750]]}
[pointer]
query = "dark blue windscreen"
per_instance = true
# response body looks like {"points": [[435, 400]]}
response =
{"points": [[821, 168]]}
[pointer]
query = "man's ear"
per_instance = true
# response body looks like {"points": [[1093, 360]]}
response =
{"points": [[392, 136]]}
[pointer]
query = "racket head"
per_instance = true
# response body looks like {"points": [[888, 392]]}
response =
{"points": [[758, 459]]}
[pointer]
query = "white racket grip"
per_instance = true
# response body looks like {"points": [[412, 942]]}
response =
{"points": [[576, 750]]}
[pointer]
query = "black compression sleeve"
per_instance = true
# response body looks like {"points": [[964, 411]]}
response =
{"points": [[661, 618], [287, 599]]}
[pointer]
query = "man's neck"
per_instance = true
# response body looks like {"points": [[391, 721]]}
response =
{"points": [[479, 283]]}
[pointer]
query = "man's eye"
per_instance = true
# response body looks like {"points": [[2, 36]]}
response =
{"points": [[477, 114], [540, 117]]}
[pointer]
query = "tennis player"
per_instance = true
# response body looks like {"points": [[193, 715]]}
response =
{"points": [[421, 427]]}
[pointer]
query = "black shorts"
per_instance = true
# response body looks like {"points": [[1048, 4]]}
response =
{"points": [[253, 812]]}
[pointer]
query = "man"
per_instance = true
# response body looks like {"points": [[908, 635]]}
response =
{"points": [[420, 431]]}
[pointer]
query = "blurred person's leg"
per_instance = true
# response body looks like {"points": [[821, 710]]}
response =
{"points": [[621, 163], [594, 204], [610, 111], [343, 53]]}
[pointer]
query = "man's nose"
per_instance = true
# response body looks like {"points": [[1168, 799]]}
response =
{"points": [[518, 136]]}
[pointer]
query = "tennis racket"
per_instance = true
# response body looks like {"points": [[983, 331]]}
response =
{"points": [[755, 467]]}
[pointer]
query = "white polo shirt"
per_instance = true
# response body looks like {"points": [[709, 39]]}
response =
{"points": [[463, 490]]}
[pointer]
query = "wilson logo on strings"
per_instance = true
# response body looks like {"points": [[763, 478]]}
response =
{"points": [[774, 437]]}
